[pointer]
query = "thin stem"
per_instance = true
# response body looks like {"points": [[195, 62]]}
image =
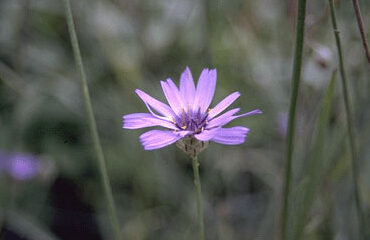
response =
{"points": [[199, 197], [360, 24], [347, 104], [297, 65], [92, 123]]}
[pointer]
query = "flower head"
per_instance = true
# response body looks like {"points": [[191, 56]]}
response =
{"points": [[19, 166], [188, 117], [23, 167]]}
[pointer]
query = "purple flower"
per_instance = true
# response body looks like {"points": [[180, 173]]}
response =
{"points": [[22, 166], [19, 166], [188, 116]]}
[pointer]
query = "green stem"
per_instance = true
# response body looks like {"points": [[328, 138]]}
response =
{"points": [[292, 111], [199, 197], [360, 24], [352, 143], [92, 123]]}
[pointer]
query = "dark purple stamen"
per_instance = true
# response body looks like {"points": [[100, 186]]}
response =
{"points": [[191, 121]]}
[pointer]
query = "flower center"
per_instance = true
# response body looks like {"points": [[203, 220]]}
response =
{"points": [[192, 121]]}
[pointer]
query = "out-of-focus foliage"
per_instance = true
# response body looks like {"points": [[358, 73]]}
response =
{"points": [[134, 44]]}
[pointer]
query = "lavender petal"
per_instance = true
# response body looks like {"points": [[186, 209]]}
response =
{"points": [[173, 96], [219, 121], [187, 88], [223, 105], [149, 101], [142, 120], [155, 139], [206, 135], [226, 118], [231, 136], [205, 90]]}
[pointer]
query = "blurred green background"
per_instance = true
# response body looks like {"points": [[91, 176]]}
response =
{"points": [[127, 44]]}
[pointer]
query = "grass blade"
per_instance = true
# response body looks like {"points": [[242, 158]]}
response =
{"points": [[315, 170], [351, 138], [92, 124], [297, 66]]}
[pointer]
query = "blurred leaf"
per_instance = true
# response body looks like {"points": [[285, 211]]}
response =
{"points": [[315, 170], [27, 227]]}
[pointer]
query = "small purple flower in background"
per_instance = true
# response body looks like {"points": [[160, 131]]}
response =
{"points": [[19, 166], [188, 117], [23, 167]]}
